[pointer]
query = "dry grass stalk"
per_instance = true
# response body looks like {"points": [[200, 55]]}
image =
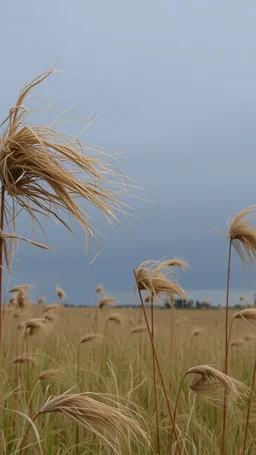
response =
{"points": [[211, 383], [107, 422]]}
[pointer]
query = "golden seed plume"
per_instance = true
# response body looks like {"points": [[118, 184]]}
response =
{"points": [[51, 374], [33, 325], [25, 359], [115, 317], [104, 420], [211, 383], [152, 276], [99, 289], [23, 287], [91, 337], [106, 301], [60, 293], [242, 234], [40, 168], [248, 314], [49, 317], [22, 300]]}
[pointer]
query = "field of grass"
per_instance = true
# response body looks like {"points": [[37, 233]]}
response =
{"points": [[111, 370]]}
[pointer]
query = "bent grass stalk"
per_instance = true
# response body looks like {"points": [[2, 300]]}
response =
{"points": [[159, 369]]}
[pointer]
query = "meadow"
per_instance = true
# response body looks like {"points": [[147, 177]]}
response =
{"points": [[105, 353]]}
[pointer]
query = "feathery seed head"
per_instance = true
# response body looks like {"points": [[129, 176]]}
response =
{"points": [[105, 301], [242, 234]]}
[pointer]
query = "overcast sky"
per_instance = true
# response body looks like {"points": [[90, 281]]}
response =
{"points": [[174, 86]]}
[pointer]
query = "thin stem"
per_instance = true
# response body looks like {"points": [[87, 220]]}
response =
{"points": [[159, 369], [249, 409], [1, 264], [175, 409], [21, 445], [154, 379], [29, 384], [102, 352], [140, 360], [78, 364], [224, 427]]}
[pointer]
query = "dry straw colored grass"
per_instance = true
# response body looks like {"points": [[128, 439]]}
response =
{"points": [[40, 170], [211, 383], [242, 234]]}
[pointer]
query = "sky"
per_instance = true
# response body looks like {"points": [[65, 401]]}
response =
{"points": [[174, 86]]}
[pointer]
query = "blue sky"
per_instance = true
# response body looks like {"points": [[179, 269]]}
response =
{"points": [[174, 86]]}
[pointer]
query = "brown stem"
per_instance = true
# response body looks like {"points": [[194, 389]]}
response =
{"points": [[78, 364], [29, 383], [1, 264], [140, 360], [224, 427], [158, 367], [102, 352], [175, 409], [154, 379], [21, 445], [249, 409]]}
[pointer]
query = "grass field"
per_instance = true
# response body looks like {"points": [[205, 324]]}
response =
{"points": [[110, 367]]}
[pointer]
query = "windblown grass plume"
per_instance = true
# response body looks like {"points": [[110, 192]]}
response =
{"points": [[107, 422], [99, 289], [242, 234], [51, 374], [115, 317], [152, 276], [211, 383], [248, 314], [60, 293], [22, 300], [52, 307], [106, 301], [91, 337], [33, 325], [25, 359], [36, 173], [23, 287]]}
